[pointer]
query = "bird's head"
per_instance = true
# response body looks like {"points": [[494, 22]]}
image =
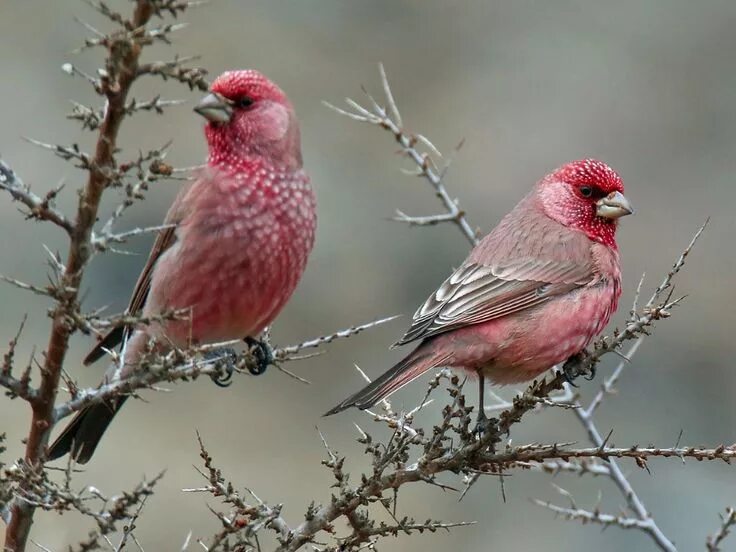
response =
{"points": [[249, 116], [587, 195]]}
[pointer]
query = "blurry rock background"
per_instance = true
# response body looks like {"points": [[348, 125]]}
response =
{"points": [[647, 87]]}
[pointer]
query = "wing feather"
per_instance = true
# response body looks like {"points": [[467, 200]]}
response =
{"points": [[499, 279], [164, 240]]}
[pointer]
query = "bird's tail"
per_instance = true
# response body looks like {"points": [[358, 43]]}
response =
{"points": [[406, 371], [81, 437]]}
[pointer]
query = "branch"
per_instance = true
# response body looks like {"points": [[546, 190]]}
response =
{"points": [[291, 352], [728, 520], [92, 118], [586, 415], [31, 485], [147, 169], [16, 387], [540, 453], [555, 467], [184, 365], [439, 456], [390, 119], [536, 395], [193, 77], [121, 69], [451, 446], [596, 516], [245, 518], [40, 208]]}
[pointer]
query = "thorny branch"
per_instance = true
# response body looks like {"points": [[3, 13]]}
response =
{"points": [[34, 487], [449, 448], [595, 516], [475, 457], [104, 171], [184, 365], [415, 455], [113, 83], [411, 455], [389, 118], [39, 208], [728, 521], [585, 415], [194, 77], [654, 309]]}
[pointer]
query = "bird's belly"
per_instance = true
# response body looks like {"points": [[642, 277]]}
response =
{"points": [[518, 348], [232, 288]]}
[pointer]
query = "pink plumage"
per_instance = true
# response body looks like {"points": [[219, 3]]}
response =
{"points": [[244, 230], [531, 294]]}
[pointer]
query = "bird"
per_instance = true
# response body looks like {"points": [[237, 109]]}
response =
{"points": [[532, 293], [235, 246]]}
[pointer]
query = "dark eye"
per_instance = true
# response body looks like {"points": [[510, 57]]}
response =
{"points": [[586, 191], [244, 102]]}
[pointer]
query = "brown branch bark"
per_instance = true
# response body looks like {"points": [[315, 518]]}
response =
{"points": [[122, 69]]}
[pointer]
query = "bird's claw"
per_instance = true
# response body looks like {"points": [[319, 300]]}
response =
{"points": [[262, 354], [573, 368], [591, 373], [226, 357], [482, 424]]}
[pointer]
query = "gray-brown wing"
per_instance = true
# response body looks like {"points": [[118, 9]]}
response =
{"points": [[164, 240], [477, 293]]}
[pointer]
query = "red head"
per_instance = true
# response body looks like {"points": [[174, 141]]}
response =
{"points": [[586, 195], [249, 116]]}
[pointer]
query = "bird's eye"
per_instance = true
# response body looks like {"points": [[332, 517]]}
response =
{"points": [[244, 102], [586, 191]]}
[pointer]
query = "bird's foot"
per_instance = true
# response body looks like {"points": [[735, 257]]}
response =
{"points": [[262, 355], [226, 357], [482, 424], [575, 366]]}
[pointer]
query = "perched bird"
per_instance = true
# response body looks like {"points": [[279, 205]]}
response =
{"points": [[243, 231], [531, 294]]}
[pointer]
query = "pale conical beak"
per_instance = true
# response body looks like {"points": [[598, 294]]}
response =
{"points": [[613, 206], [215, 108]]}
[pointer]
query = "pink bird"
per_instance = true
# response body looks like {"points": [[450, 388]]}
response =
{"points": [[244, 230], [531, 294]]}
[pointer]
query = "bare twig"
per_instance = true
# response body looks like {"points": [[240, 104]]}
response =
{"points": [[194, 77], [39, 208], [728, 520], [594, 516], [390, 120], [245, 518], [288, 353]]}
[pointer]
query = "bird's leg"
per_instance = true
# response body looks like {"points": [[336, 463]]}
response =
{"points": [[226, 357], [481, 424], [573, 368], [262, 354]]}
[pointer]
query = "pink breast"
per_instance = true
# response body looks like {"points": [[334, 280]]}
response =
{"points": [[238, 258]]}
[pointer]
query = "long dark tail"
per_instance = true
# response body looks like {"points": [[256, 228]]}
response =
{"points": [[406, 371], [81, 437]]}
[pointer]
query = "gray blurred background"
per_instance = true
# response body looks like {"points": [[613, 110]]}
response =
{"points": [[648, 87]]}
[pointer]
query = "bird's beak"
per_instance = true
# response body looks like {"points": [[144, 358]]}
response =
{"points": [[215, 108], [613, 206]]}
